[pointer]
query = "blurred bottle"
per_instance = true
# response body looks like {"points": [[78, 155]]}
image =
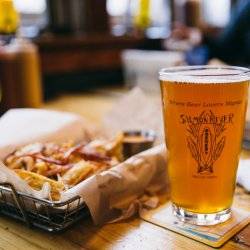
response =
{"points": [[9, 21], [28, 72], [20, 76], [188, 12], [142, 18], [9, 91]]}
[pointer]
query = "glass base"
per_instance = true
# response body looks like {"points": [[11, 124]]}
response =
{"points": [[201, 219]]}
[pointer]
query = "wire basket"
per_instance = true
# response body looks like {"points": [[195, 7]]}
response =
{"points": [[47, 215]]}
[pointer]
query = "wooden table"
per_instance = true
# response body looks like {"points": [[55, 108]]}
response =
{"points": [[131, 234]]}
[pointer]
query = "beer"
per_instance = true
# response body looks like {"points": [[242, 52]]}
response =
{"points": [[204, 123]]}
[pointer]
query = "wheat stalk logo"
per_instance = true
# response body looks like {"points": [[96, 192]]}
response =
{"points": [[205, 141]]}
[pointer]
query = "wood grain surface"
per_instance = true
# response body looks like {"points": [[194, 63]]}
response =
{"points": [[131, 234]]}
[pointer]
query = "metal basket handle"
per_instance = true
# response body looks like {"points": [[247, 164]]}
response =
{"points": [[17, 201]]}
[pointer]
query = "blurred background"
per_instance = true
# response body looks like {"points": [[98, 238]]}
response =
{"points": [[57, 53]]}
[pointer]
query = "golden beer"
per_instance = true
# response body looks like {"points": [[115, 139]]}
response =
{"points": [[204, 115]]}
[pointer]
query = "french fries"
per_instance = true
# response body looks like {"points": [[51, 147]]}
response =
{"points": [[36, 181], [64, 165], [77, 173]]}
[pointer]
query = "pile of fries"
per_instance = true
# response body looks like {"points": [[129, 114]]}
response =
{"points": [[63, 165]]}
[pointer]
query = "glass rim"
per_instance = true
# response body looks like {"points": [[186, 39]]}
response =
{"points": [[219, 73]]}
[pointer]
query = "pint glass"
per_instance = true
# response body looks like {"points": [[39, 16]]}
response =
{"points": [[204, 111]]}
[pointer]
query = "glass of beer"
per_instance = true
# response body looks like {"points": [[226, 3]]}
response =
{"points": [[204, 110]]}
